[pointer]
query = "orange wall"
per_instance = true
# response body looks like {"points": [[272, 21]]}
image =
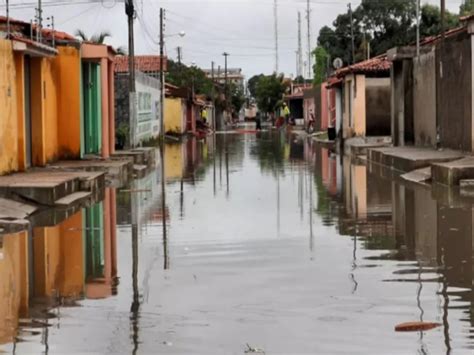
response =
{"points": [[58, 261], [37, 113], [50, 88], [20, 100], [13, 284], [67, 65], [8, 110]]}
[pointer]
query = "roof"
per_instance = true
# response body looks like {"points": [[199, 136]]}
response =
{"points": [[377, 65], [144, 63], [333, 81]]}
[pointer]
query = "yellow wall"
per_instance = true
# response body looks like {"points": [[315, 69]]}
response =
{"points": [[174, 115], [20, 100], [354, 91], [13, 284], [8, 110], [174, 162], [67, 66]]}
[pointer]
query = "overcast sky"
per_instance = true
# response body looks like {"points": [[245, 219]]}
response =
{"points": [[243, 28]]}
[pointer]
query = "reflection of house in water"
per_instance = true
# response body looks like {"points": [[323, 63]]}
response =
{"points": [[367, 201], [57, 264]]}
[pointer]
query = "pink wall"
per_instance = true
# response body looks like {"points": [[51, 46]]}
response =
{"points": [[324, 107]]}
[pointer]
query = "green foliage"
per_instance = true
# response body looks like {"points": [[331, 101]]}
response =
{"points": [[467, 8], [385, 24], [237, 97], [98, 38], [430, 23], [252, 84], [184, 76], [121, 135], [269, 91], [320, 65]]}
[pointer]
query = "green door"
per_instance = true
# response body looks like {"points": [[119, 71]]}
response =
{"points": [[92, 108], [94, 242]]}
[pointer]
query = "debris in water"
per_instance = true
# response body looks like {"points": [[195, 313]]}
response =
{"points": [[167, 343], [251, 350], [416, 326]]}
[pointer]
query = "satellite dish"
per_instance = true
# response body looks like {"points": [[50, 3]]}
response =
{"points": [[337, 63]]}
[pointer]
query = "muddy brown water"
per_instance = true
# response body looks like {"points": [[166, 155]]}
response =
{"points": [[272, 241]]}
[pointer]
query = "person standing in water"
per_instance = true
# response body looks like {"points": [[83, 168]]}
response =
{"points": [[258, 122]]}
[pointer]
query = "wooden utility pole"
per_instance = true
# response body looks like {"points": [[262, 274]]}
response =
{"points": [[8, 19], [225, 75], [130, 12], [162, 127], [308, 18], [352, 34], [443, 18], [213, 99], [162, 75], [417, 28]]}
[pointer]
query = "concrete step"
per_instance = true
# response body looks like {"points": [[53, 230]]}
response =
{"points": [[451, 173], [74, 198], [117, 172], [40, 187], [139, 156], [407, 159]]}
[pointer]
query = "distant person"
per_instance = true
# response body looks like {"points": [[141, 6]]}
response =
{"points": [[258, 122], [204, 115], [286, 113]]}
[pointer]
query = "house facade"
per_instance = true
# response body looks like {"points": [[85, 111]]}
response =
{"points": [[432, 94], [363, 92]]}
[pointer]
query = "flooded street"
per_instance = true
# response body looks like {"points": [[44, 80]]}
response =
{"points": [[272, 241]]}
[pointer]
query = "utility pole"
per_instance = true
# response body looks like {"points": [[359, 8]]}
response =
{"points": [[418, 29], [352, 33], [8, 18], [443, 18], [40, 21], [130, 12], [300, 48], [162, 74], [308, 18], [213, 101], [225, 74], [275, 14], [179, 55], [162, 125]]}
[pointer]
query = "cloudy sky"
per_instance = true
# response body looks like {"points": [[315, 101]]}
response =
{"points": [[243, 28]]}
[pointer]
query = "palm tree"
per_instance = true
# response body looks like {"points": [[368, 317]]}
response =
{"points": [[98, 38]]}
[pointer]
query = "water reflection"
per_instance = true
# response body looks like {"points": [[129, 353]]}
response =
{"points": [[51, 267], [269, 239]]}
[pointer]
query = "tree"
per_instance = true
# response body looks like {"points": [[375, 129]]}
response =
{"points": [[269, 92], [320, 65], [237, 97], [98, 38], [252, 84], [467, 8], [430, 24], [383, 24], [184, 76]]}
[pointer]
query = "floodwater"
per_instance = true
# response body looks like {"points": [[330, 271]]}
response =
{"points": [[272, 241]]}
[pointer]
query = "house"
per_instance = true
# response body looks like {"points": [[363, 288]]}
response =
{"points": [[176, 109], [432, 94], [234, 76], [146, 108], [295, 100], [44, 95], [335, 103], [98, 86], [365, 98]]}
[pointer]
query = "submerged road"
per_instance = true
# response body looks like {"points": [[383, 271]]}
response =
{"points": [[273, 244]]}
